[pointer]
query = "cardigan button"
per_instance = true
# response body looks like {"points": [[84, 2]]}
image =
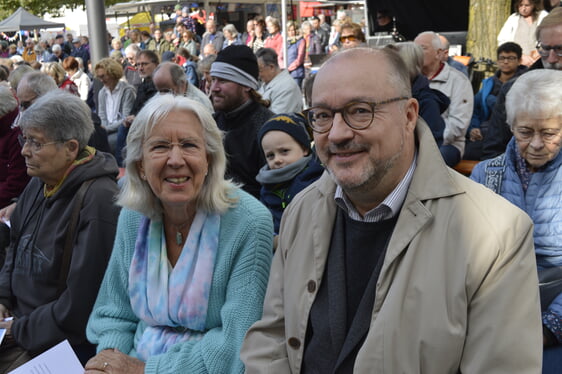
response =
{"points": [[294, 343], [311, 286]]}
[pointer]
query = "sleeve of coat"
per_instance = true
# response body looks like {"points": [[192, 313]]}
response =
{"points": [[460, 111], [264, 349], [504, 333]]}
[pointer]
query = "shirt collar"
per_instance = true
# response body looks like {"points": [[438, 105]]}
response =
{"points": [[388, 208]]}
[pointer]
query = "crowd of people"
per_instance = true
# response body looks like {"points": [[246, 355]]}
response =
{"points": [[214, 201]]}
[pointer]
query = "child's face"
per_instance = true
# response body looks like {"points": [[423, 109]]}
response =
{"points": [[280, 149]]}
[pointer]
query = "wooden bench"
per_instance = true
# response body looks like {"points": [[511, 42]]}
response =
{"points": [[465, 167]]}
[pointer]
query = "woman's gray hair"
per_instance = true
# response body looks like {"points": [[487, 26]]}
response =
{"points": [[17, 74], [412, 54], [231, 29], [60, 116], [8, 101], [536, 94], [216, 193], [39, 83]]}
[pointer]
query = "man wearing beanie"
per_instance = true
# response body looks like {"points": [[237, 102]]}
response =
{"points": [[240, 112]]}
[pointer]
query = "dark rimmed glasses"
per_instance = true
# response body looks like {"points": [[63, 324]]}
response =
{"points": [[356, 114], [544, 50]]}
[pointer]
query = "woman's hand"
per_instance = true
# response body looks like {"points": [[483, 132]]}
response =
{"points": [[115, 362], [6, 212], [4, 312]]}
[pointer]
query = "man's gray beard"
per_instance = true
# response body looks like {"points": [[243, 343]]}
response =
{"points": [[378, 171], [555, 66]]}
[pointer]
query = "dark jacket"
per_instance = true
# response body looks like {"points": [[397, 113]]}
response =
{"points": [[276, 197], [145, 91], [13, 172], [29, 278], [240, 143], [432, 104], [499, 133]]}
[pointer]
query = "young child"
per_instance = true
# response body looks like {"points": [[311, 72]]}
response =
{"points": [[291, 165]]}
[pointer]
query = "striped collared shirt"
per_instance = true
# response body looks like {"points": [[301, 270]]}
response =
{"points": [[388, 208]]}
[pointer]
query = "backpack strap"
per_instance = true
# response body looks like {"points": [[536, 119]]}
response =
{"points": [[70, 235], [494, 171]]}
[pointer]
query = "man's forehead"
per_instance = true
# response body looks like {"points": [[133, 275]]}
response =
{"points": [[551, 35]]}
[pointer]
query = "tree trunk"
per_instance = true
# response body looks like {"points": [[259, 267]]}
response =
{"points": [[486, 18]]}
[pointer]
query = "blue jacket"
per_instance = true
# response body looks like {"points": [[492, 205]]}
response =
{"points": [[543, 203], [485, 99], [292, 54]]}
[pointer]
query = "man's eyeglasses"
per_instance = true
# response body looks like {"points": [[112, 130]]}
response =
{"points": [[544, 50], [507, 58], [525, 135], [33, 144], [357, 114], [351, 38]]}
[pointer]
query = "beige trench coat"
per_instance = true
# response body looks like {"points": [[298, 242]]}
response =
{"points": [[457, 292]]}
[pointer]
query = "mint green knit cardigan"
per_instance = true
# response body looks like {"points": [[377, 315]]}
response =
{"points": [[235, 302]]}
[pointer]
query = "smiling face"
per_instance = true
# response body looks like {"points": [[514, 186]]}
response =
{"points": [[175, 173], [280, 149], [372, 161], [535, 150], [227, 95]]}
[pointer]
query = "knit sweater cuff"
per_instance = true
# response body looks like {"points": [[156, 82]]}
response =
{"points": [[553, 322]]}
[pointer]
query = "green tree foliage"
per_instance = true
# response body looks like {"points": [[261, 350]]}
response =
{"points": [[40, 7]]}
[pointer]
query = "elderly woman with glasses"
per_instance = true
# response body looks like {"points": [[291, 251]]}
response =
{"points": [[190, 266], [529, 174], [62, 232]]}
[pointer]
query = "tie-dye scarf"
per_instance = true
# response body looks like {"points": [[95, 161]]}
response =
{"points": [[172, 303]]}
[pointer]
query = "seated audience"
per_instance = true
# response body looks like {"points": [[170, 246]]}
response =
{"points": [[190, 266], [56, 71], [62, 232], [13, 175], [115, 99], [509, 66], [529, 174], [80, 79], [277, 84], [456, 86], [432, 103]]}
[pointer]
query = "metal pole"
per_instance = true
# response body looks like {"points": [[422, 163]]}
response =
{"points": [[97, 30], [284, 31]]}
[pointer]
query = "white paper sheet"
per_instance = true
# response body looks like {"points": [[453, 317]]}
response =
{"points": [[59, 359]]}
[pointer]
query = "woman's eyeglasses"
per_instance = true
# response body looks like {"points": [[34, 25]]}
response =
{"points": [[33, 144]]}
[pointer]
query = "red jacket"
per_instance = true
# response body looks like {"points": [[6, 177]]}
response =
{"points": [[13, 172]]}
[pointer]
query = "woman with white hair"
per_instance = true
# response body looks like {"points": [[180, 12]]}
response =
{"points": [[191, 259], [231, 35], [529, 174], [62, 231]]}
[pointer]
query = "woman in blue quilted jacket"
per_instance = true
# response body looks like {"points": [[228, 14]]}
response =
{"points": [[529, 175]]}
